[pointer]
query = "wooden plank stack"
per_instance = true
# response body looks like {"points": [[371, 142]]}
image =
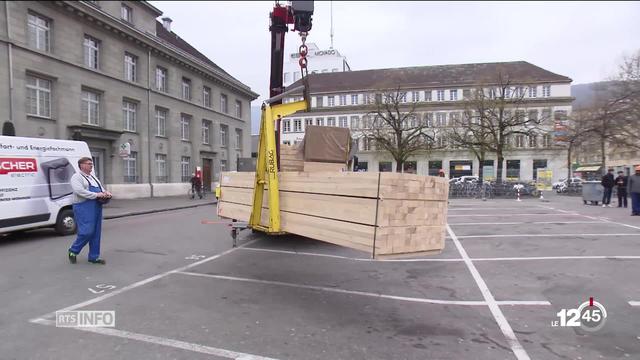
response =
{"points": [[291, 158], [385, 214]]}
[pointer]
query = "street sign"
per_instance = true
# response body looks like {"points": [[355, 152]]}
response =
{"points": [[125, 150]]}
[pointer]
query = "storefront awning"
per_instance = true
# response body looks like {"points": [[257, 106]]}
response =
{"points": [[588, 168]]}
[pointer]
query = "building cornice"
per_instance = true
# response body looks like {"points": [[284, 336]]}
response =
{"points": [[156, 45]]}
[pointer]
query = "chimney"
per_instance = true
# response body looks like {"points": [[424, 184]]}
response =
{"points": [[166, 23]]}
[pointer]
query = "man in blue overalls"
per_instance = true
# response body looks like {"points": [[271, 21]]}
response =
{"points": [[88, 197]]}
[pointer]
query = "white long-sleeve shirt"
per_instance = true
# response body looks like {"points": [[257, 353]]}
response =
{"points": [[80, 184]]}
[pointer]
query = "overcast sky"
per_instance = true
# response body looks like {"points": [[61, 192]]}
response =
{"points": [[582, 40]]}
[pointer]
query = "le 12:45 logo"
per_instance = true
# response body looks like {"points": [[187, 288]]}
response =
{"points": [[590, 316]]}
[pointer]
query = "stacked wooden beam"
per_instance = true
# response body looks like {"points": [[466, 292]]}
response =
{"points": [[385, 214], [291, 158]]}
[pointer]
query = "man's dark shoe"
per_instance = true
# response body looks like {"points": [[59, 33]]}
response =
{"points": [[98, 261], [72, 257]]}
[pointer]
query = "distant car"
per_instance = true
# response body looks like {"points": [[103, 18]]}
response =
{"points": [[575, 183], [563, 182]]}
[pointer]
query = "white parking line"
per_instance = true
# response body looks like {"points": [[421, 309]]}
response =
{"points": [[346, 257], [508, 215], [503, 323], [483, 208], [634, 303], [140, 283], [364, 293], [229, 354], [586, 257], [540, 235], [525, 223]]}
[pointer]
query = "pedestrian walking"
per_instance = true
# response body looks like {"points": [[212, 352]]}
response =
{"points": [[88, 198], [633, 187], [608, 183], [621, 187], [196, 186]]}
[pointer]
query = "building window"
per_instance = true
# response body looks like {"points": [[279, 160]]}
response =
{"points": [[331, 121], [355, 122], [513, 169], [520, 92], [440, 94], [342, 122], [90, 107], [238, 109], [546, 140], [366, 144], [161, 79], [453, 95], [507, 92], [427, 95], [186, 88], [415, 96], [385, 166], [319, 101], [185, 168], [38, 96], [343, 100], [206, 96], [331, 101], [161, 122], [238, 139], [441, 141], [466, 93], [206, 132], [286, 77], [297, 125], [130, 168], [161, 168], [185, 124], [546, 91], [308, 122], [354, 99], [130, 62], [434, 167], [126, 13], [39, 32], [441, 119], [129, 115], [223, 104], [428, 119], [533, 91], [91, 52], [286, 126], [296, 76], [319, 122], [533, 141], [519, 141], [403, 97], [538, 164], [533, 116], [223, 135], [223, 165]]}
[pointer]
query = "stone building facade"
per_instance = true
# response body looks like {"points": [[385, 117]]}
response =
{"points": [[109, 73]]}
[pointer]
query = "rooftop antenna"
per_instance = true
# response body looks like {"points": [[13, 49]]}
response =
{"points": [[331, 2]]}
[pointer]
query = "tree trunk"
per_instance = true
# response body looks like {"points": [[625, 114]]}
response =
{"points": [[603, 142], [399, 166], [499, 166], [569, 172], [480, 168]]}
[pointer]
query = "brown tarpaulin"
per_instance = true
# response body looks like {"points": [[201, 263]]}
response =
{"points": [[326, 144]]}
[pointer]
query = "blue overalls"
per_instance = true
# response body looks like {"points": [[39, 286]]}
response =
{"points": [[88, 217]]}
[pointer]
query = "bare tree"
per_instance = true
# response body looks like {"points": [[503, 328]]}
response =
{"points": [[495, 115], [395, 127]]}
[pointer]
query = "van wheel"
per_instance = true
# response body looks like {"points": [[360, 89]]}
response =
{"points": [[66, 224]]}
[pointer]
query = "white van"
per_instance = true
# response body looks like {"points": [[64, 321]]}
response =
{"points": [[35, 188]]}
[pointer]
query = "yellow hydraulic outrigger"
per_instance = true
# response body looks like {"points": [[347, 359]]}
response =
{"points": [[267, 167]]}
